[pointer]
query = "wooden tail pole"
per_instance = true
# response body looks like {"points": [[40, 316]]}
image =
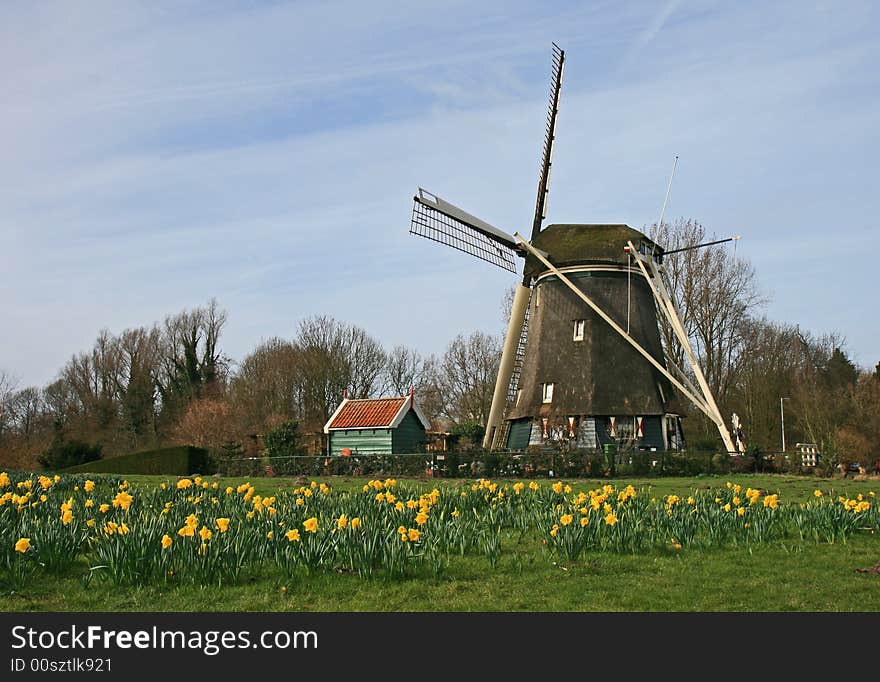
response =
{"points": [[505, 368]]}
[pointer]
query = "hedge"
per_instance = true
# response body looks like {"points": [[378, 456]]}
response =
{"points": [[176, 461]]}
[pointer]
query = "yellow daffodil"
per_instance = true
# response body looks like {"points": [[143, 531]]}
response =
{"points": [[342, 522], [23, 545], [311, 525], [356, 522], [610, 519], [292, 535], [89, 486], [123, 500], [222, 524]]}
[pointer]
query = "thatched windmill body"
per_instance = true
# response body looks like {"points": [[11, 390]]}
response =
{"points": [[582, 360]]}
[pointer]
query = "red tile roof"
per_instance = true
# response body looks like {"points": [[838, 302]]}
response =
{"points": [[364, 414]]}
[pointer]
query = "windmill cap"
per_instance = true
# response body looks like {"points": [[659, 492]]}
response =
{"points": [[580, 244]]}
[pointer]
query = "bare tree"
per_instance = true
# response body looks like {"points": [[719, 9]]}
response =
{"points": [[334, 358], [137, 381], [767, 371], [27, 409], [823, 393], [267, 386], [405, 368], [716, 293], [7, 387], [467, 375], [366, 361]]}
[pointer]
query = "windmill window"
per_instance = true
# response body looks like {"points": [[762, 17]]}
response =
{"points": [[548, 393], [626, 427], [579, 329]]}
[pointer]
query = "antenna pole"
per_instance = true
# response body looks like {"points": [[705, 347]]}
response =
{"points": [[668, 188]]}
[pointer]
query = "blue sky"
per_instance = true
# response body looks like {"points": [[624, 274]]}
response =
{"points": [[266, 153]]}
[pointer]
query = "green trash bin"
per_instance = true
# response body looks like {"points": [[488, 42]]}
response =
{"points": [[610, 450]]}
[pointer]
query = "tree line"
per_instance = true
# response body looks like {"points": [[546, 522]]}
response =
{"points": [[761, 369], [170, 382]]}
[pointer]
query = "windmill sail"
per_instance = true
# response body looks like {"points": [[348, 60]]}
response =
{"points": [[506, 386], [436, 219], [549, 138]]}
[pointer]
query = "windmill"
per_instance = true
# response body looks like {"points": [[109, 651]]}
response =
{"points": [[582, 360]]}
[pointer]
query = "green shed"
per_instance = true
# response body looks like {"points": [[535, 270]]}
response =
{"points": [[376, 426]]}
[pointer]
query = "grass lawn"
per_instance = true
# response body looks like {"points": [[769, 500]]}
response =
{"points": [[789, 488], [782, 575]]}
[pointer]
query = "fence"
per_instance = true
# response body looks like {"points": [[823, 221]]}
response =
{"points": [[544, 464]]}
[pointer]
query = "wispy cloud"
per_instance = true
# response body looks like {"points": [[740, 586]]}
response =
{"points": [[267, 155]]}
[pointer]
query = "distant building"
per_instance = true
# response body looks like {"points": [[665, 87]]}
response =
{"points": [[809, 453], [376, 426]]}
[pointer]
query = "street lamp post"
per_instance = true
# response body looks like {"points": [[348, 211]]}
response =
{"points": [[782, 418]]}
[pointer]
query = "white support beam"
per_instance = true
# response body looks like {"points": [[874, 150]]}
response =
{"points": [[667, 307], [601, 313], [674, 321]]}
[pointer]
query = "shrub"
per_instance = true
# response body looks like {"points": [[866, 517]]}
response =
{"points": [[284, 442], [62, 454]]}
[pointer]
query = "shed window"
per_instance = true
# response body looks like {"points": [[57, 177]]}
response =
{"points": [[548, 393], [579, 330]]}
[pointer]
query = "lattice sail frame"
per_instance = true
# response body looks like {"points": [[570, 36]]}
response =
{"points": [[442, 222]]}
